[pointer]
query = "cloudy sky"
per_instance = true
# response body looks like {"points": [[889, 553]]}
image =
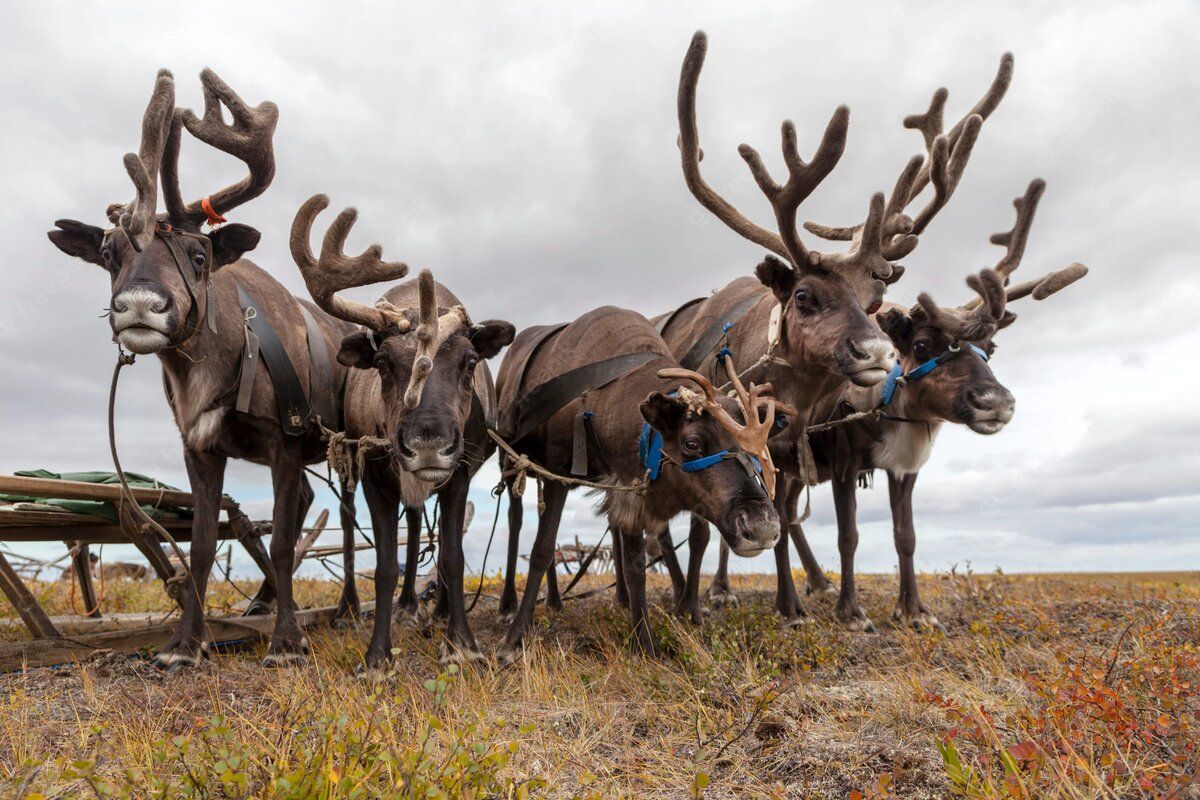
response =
{"points": [[527, 155]]}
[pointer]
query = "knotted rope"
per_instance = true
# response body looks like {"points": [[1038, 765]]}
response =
{"points": [[520, 465]]}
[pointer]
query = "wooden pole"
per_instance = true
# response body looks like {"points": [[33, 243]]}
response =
{"points": [[27, 606], [82, 562], [78, 490]]}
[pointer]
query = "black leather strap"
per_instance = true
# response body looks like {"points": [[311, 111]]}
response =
{"points": [[293, 406], [538, 335], [321, 395], [707, 343], [666, 321], [545, 400]]}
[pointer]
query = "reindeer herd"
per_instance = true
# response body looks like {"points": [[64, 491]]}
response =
{"points": [[727, 407]]}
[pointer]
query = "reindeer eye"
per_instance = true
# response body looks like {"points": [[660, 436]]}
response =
{"points": [[801, 295], [106, 254], [471, 364], [692, 445], [198, 259], [921, 349]]}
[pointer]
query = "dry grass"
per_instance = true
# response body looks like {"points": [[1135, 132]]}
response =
{"points": [[1073, 686]]}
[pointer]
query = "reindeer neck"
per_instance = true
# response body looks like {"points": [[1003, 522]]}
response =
{"points": [[618, 419]]}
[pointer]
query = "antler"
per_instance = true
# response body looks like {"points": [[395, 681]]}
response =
{"points": [[977, 320], [432, 332], [1013, 241], [249, 138], [138, 218], [335, 271], [943, 164], [785, 200], [753, 435]]}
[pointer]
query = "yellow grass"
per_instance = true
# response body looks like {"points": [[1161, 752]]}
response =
{"points": [[1072, 686]]}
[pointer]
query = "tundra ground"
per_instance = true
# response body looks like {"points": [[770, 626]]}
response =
{"points": [[1072, 686]]}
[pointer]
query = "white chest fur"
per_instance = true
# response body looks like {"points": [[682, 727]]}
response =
{"points": [[905, 446]]}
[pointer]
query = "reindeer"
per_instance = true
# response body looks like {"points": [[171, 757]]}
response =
{"points": [[175, 293], [418, 378], [683, 450], [803, 324], [944, 375]]}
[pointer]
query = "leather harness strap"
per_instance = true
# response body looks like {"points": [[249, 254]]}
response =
{"points": [[666, 321], [321, 393], [704, 346], [537, 336], [294, 409], [545, 400]]}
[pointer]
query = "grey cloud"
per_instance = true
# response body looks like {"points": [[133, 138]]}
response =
{"points": [[527, 155]]}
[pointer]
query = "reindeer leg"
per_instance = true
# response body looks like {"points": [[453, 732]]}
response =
{"points": [[206, 473], [408, 607], [349, 608], [460, 642], [516, 511], [816, 581], [846, 503], [619, 571], [633, 552], [288, 644], [671, 559], [719, 593], [909, 607], [554, 495], [787, 601], [698, 536], [553, 599], [383, 500]]}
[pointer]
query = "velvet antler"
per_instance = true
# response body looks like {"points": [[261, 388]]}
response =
{"points": [[249, 139], [138, 218], [432, 332], [334, 270]]}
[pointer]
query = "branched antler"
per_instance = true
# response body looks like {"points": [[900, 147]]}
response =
{"points": [[758, 411], [138, 218], [334, 270], [975, 321], [803, 177], [945, 160], [249, 139]]}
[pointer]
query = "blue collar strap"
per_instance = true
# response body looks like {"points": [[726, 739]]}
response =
{"points": [[650, 447], [897, 378]]}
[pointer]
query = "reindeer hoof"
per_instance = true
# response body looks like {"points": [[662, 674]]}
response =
{"points": [[826, 589], [859, 624], [175, 662], [346, 623], [257, 608], [798, 621], [722, 598], [284, 659], [459, 655], [509, 655], [923, 621]]}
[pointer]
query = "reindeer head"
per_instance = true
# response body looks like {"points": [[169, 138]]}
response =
{"points": [[962, 388], [427, 357], [825, 297], [724, 469], [160, 264]]}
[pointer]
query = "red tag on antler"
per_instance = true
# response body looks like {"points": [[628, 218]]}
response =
{"points": [[214, 218]]}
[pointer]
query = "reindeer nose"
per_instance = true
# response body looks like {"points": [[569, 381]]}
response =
{"points": [[990, 398]]}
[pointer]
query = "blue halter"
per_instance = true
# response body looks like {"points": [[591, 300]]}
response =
{"points": [[897, 377], [650, 446]]}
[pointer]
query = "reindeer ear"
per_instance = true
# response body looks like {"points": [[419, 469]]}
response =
{"points": [[665, 414], [357, 350], [777, 276], [231, 241], [898, 326], [79, 239], [489, 336], [1008, 319]]}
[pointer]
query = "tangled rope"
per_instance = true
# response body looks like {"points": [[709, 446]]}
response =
{"points": [[347, 457]]}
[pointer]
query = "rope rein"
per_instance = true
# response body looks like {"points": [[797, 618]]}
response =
{"points": [[129, 510]]}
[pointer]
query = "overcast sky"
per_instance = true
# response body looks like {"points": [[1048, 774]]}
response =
{"points": [[527, 155]]}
